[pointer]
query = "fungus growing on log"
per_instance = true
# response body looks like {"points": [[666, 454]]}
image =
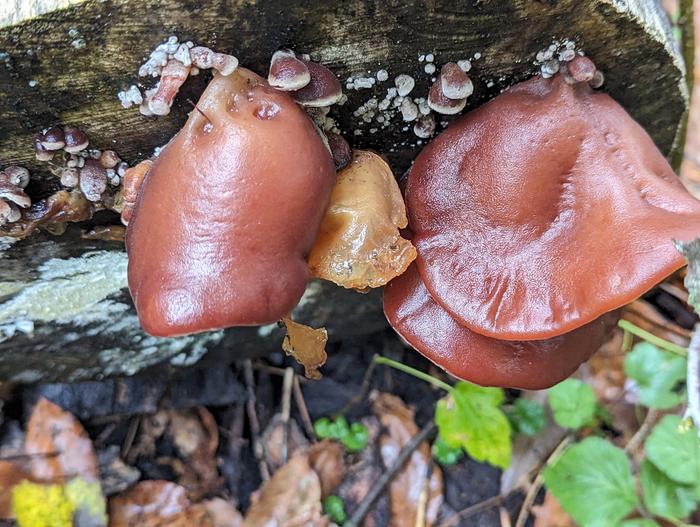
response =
{"points": [[228, 212], [359, 244], [528, 365], [534, 216]]}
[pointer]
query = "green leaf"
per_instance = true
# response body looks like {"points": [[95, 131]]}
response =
{"points": [[663, 496], [471, 418], [657, 373], [639, 522], [445, 454], [527, 417], [675, 451], [356, 438], [691, 252], [322, 428], [593, 482], [573, 403], [334, 508]]}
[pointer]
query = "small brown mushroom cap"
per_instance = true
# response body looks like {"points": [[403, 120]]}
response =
{"points": [[454, 82], [530, 365], [287, 72], [76, 139], [359, 244], [322, 90], [42, 154], [438, 102], [17, 175], [93, 180], [53, 139], [14, 194], [544, 209]]}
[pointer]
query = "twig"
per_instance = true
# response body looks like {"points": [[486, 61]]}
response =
{"points": [[364, 389], [642, 432], [258, 448], [130, 437], [470, 511], [424, 497], [693, 378], [537, 484], [303, 410], [272, 370], [651, 338], [286, 409], [368, 501]]}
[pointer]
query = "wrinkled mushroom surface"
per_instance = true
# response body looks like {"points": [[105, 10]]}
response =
{"points": [[228, 212], [531, 365], [544, 209], [359, 244]]}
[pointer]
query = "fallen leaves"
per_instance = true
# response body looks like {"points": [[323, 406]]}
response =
{"points": [[416, 492], [307, 346], [57, 446]]}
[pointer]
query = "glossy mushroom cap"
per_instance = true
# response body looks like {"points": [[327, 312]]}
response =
{"points": [[542, 210], [531, 365], [228, 212]]}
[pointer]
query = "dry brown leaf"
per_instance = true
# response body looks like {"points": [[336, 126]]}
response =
{"points": [[307, 345], [11, 473], [359, 244], [221, 513], [550, 514], [156, 504], [274, 436], [327, 460], [58, 446], [196, 438], [641, 313], [406, 487], [291, 498]]}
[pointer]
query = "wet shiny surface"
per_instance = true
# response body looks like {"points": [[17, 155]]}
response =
{"points": [[531, 365], [543, 209], [359, 244], [228, 212]]}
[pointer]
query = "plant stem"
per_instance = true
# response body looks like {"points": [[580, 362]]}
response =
{"points": [[652, 339], [414, 372]]}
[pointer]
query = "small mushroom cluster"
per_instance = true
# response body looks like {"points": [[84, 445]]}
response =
{"points": [[91, 170], [173, 62], [309, 83], [448, 94], [535, 218], [13, 180]]}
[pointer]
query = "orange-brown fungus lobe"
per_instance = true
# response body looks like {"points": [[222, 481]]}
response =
{"points": [[531, 365], [544, 209], [228, 212], [359, 244]]}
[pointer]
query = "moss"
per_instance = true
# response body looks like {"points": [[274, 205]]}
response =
{"points": [[37, 505]]}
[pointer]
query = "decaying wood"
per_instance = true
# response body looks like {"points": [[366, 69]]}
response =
{"points": [[65, 66]]}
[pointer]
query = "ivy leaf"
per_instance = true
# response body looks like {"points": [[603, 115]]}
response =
{"points": [[573, 403], [691, 252], [593, 482], [657, 373], [527, 417], [471, 418], [663, 496], [675, 451]]}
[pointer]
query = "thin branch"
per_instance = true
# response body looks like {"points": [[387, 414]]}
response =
{"points": [[364, 389], [286, 410], [303, 410], [489, 503], [538, 482], [693, 378], [641, 434], [371, 497], [258, 448], [652, 339]]}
